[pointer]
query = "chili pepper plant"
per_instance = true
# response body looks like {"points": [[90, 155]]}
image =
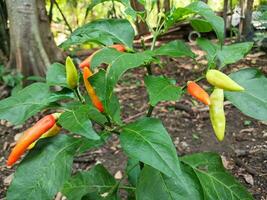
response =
{"points": [[79, 121]]}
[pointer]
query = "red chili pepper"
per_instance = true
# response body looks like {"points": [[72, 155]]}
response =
{"points": [[90, 90], [31, 135], [196, 91], [87, 61]]}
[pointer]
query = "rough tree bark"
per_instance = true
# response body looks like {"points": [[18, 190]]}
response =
{"points": [[4, 37], [32, 46], [140, 25]]}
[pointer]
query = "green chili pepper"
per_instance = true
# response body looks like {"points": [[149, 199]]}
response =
{"points": [[71, 73], [217, 116], [221, 80]]}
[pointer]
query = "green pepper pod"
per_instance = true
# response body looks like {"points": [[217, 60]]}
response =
{"points": [[71, 73], [221, 80], [217, 116]]}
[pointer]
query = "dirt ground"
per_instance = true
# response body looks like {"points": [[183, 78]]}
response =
{"points": [[244, 150]]}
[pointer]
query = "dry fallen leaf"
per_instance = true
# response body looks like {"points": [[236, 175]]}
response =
{"points": [[248, 178], [8, 179], [118, 175]]}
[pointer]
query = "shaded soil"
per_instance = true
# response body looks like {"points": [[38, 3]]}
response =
{"points": [[244, 150]]}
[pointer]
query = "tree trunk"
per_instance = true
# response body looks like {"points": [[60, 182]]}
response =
{"points": [[247, 27], [4, 36], [140, 25], [225, 9], [167, 5], [33, 47]]}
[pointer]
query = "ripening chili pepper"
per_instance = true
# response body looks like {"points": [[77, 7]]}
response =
{"points": [[87, 61], [221, 80], [217, 116], [196, 91], [71, 73], [50, 133], [90, 90], [31, 135]]}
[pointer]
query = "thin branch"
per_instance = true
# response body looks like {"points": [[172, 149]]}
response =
{"points": [[64, 18]]}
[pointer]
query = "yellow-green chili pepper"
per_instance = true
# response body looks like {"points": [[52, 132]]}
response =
{"points": [[217, 116], [221, 80], [71, 73]]}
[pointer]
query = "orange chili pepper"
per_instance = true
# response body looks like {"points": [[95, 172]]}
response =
{"points": [[31, 135], [90, 90], [87, 61], [196, 91]]}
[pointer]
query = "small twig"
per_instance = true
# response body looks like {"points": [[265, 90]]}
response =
{"points": [[82, 160], [250, 170], [64, 18], [50, 13], [129, 119]]}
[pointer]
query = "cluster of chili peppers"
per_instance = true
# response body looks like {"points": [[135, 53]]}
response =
{"points": [[47, 126], [221, 82]]}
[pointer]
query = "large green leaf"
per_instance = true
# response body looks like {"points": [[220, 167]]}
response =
{"points": [[175, 48], [215, 181], [152, 184], [232, 53], [253, 101], [162, 89], [44, 170], [203, 10], [92, 184], [77, 121], [228, 54], [26, 103], [56, 75], [201, 25], [104, 31], [148, 141]]}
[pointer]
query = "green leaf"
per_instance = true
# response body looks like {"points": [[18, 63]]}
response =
{"points": [[152, 184], [77, 121], [106, 55], [119, 63], [204, 11], [209, 47], [253, 101], [111, 104], [44, 170], [148, 141], [133, 170], [201, 25], [175, 48], [25, 103], [129, 10], [123, 63], [89, 144], [103, 31], [56, 75], [94, 183], [215, 181], [162, 89], [233, 53]]}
